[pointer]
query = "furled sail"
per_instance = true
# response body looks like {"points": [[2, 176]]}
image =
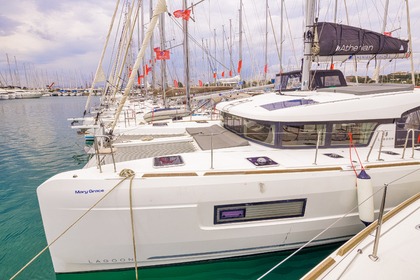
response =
{"points": [[339, 39]]}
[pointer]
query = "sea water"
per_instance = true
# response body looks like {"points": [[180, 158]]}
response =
{"points": [[36, 142]]}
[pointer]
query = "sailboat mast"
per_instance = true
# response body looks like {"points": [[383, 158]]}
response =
{"points": [[378, 66], [186, 59], [230, 46], [163, 61], [152, 52], [410, 43], [160, 8], [99, 70], [308, 36], [240, 36], [10, 70], [266, 41], [281, 35]]}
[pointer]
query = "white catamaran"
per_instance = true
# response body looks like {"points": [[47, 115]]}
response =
{"points": [[276, 170]]}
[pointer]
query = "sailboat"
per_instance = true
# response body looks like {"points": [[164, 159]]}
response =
{"points": [[389, 253], [276, 170]]}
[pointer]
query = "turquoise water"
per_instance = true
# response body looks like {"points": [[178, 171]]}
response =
{"points": [[36, 142]]}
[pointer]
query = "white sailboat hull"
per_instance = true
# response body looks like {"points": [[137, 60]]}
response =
{"points": [[175, 216]]}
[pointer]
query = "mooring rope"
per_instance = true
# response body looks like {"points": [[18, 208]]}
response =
{"points": [[130, 173], [126, 173]]}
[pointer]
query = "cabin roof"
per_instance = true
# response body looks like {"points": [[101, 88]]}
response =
{"points": [[370, 89]]}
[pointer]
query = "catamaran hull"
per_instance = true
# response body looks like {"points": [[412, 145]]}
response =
{"points": [[180, 219]]}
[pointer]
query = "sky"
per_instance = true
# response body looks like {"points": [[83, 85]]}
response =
{"points": [[45, 41]]}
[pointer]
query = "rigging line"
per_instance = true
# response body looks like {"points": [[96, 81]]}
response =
{"points": [[291, 37], [335, 222], [111, 66], [197, 43], [251, 53], [275, 38]]}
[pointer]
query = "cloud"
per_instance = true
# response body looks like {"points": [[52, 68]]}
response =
{"points": [[63, 36]]}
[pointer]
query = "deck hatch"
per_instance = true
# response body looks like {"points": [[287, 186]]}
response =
{"points": [[262, 161], [332, 155], [287, 104], [256, 211], [168, 161]]}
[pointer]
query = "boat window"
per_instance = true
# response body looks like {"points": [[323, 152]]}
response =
{"points": [[233, 123], [262, 132], [259, 211], [303, 135], [409, 121], [361, 133]]}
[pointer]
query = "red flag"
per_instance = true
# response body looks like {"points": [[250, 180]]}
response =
{"points": [[332, 66], [265, 68], [200, 83], [223, 73], [162, 54], [230, 73], [239, 66], [214, 75], [147, 69], [175, 83], [184, 14]]}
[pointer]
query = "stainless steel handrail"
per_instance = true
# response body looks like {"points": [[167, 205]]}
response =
{"points": [[99, 145]]}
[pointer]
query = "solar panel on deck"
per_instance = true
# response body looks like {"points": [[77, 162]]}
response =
{"points": [[287, 104]]}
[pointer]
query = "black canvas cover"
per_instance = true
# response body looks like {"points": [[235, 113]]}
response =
{"points": [[340, 39]]}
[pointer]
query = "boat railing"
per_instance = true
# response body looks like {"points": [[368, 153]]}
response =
{"points": [[382, 132], [406, 142], [129, 114], [103, 148], [318, 139]]}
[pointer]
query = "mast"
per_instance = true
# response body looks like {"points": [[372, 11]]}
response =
{"points": [[215, 59], [99, 74], [240, 35], [378, 65], [10, 70], [152, 52], [142, 38], [186, 59], [281, 36], [163, 61], [230, 45], [266, 41], [308, 36], [413, 79], [160, 8]]}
